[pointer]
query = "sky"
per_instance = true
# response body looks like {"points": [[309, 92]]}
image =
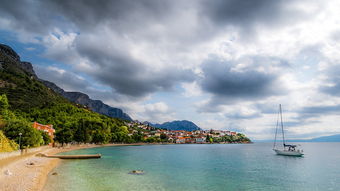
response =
{"points": [[223, 64]]}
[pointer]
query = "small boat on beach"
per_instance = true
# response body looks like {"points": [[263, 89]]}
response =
{"points": [[137, 172], [288, 149]]}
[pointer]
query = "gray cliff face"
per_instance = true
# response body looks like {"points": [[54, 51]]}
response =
{"points": [[26, 66], [83, 99], [54, 87], [96, 105], [9, 52]]}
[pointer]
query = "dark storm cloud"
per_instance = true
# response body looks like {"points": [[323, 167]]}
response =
{"points": [[129, 75], [310, 114], [229, 84], [333, 89], [35, 15], [87, 14], [43, 16], [304, 114], [321, 109], [247, 14], [316, 111], [137, 83], [32, 17], [235, 11], [299, 122], [222, 79], [333, 78]]}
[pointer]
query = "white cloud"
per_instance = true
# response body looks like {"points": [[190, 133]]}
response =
{"points": [[60, 46], [191, 89], [158, 112]]}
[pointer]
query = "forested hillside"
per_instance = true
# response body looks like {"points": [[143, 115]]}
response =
{"points": [[24, 99]]}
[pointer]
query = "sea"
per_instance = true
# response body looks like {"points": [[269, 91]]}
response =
{"points": [[200, 167]]}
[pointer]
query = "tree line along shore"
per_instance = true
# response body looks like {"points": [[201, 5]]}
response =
{"points": [[76, 125]]}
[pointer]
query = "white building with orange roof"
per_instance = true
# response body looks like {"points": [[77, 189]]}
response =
{"points": [[46, 128]]}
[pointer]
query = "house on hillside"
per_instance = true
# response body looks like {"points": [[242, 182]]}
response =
{"points": [[200, 139], [180, 140], [46, 128], [227, 133], [189, 140], [157, 134]]}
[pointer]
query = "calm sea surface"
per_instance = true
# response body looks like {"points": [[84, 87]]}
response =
{"points": [[200, 167]]}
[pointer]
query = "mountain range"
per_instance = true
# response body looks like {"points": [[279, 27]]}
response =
{"points": [[83, 99], [177, 125], [74, 97], [330, 138]]}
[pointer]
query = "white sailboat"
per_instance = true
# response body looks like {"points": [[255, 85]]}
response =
{"points": [[288, 150]]}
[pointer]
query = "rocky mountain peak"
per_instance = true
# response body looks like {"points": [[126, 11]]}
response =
{"points": [[177, 125], [83, 99], [25, 66], [9, 52]]}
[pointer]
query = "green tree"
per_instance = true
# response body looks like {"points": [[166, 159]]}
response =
{"points": [[121, 134], [46, 138], [101, 137], [163, 136], [30, 137], [209, 139], [227, 139], [64, 135], [138, 137], [4, 106], [123, 129], [151, 140]]}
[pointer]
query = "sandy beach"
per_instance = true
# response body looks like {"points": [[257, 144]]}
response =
{"points": [[29, 172]]}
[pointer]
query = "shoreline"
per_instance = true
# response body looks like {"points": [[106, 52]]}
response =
{"points": [[25, 176], [30, 172]]}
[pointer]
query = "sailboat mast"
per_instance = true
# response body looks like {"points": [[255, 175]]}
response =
{"points": [[283, 135], [277, 126]]}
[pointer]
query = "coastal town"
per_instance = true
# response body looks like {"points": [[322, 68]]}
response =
{"points": [[153, 135], [184, 137]]}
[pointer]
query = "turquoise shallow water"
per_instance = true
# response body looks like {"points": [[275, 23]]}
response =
{"points": [[201, 167]]}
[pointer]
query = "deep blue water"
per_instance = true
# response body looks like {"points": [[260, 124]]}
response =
{"points": [[201, 167]]}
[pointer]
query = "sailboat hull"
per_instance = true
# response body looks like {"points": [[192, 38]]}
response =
{"points": [[288, 153]]}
